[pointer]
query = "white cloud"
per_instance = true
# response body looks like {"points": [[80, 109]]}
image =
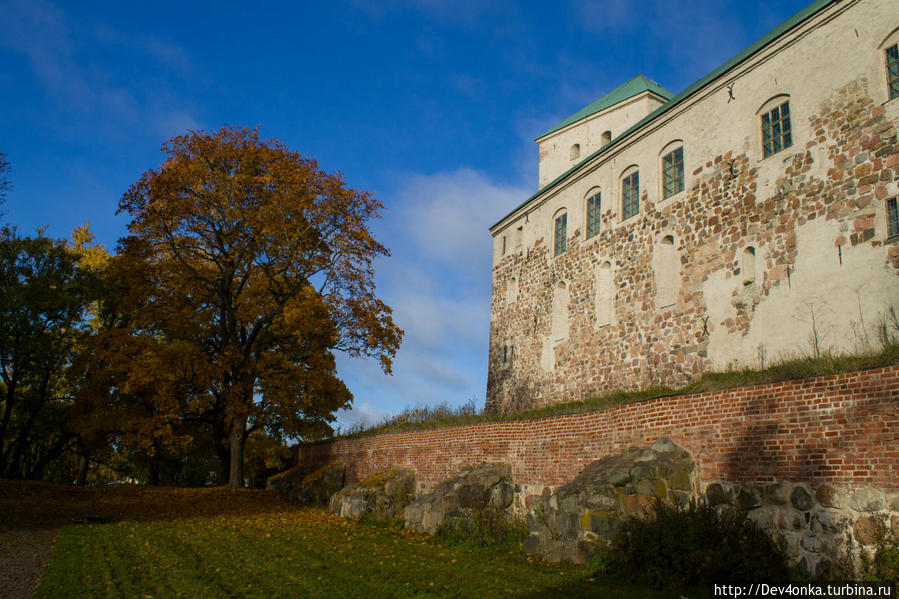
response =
{"points": [[361, 414], [449, 215], [438, 284]]}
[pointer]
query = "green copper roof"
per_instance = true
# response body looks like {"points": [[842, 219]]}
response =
{"points": [[772, 35], [637, 85]]}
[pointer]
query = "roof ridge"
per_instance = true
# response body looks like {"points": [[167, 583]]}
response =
{"points": [[630, 88], [809, 11]]}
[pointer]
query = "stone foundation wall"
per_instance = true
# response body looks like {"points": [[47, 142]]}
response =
{"points": [[838, 430]]}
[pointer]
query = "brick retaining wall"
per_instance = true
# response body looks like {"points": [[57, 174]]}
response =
{"points": [[842, 430]]}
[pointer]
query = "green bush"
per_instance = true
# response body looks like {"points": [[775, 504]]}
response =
{"points": [[880, 566], [883, 565], [694, 545]]}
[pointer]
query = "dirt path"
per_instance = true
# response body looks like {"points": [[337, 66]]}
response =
{"points": [[23, 554]]}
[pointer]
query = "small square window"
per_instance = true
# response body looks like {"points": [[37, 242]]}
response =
{"points": [[777, 132], [630, 195], [561, 233], [893, 70], [673, 173], [594, 203], [892, 217]]}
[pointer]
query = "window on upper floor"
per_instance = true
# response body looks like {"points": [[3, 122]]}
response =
{"points": [[575, 151], [605, 139], [560, 234], [673, 173], [777, 132], [892, 57], [892, 217], [630, 194], [594, 204], [504, 245]]}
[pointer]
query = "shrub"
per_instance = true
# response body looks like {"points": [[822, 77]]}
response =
{"points": [[484, 528], [881, 566], [689, 546]]}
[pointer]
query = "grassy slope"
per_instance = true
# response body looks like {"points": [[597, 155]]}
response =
{"points": [[250, 544]]}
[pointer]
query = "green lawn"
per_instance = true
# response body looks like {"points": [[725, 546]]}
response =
{"points": [[293, 552]]}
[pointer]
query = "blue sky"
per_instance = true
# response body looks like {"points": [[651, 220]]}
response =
{"points": [[431, 104]]}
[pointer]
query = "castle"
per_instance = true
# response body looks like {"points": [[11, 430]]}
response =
{"points": [[750, 218]]}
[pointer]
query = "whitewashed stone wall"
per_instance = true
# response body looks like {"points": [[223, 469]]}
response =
{"points": [[809, 222]]}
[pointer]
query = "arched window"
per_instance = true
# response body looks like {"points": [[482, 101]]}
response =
{"points": [[666, 267], [672, 169], [575, 151], [593, 211], [630, 193], [890, 53], [777, 125], [748, 265], [892, 58], [560, 313], [604, 294], [560, 233], [605, 139]]}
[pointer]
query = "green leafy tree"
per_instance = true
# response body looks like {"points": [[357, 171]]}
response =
{"points": [[45, 294], [5, 185], [245, 269]]}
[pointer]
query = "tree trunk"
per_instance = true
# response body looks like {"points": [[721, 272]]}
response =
{"points": [[238, 437], [83, 464]]}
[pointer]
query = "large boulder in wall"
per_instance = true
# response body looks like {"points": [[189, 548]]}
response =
{"points": [[569, 524], [455, 500], [381, 496]]}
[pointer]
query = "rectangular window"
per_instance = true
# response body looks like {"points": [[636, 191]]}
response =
{"points": [[777, 133], [630, 195], [593, 211], [893, 70], [673, 173], [892, 217], [561, 233], [504, 245]]}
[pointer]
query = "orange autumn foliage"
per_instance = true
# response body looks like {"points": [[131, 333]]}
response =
{"points": [[246, 267]]}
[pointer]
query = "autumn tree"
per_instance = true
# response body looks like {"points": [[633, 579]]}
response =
{"points": [[246, 267]]}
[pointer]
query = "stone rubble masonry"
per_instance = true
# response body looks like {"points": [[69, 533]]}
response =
{"points": [[812, 215], [837, 430]]}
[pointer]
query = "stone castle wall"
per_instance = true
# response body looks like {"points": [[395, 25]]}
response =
{"points": [[837, 430], [757, 260]]}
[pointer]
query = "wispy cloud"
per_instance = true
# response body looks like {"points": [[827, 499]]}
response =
{"points": [[122, 84], [438, 283], [692, 38], [449, 215]]}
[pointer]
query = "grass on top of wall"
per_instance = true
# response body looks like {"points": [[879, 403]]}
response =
{"points": [[789, 369]]}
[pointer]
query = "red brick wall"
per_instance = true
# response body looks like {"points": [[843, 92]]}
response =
{"points": [[842, 429]]}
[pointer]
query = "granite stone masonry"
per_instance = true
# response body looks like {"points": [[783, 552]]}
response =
{"points": [[382, 496], [587, 511], [737, 256], [455, 501]]}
